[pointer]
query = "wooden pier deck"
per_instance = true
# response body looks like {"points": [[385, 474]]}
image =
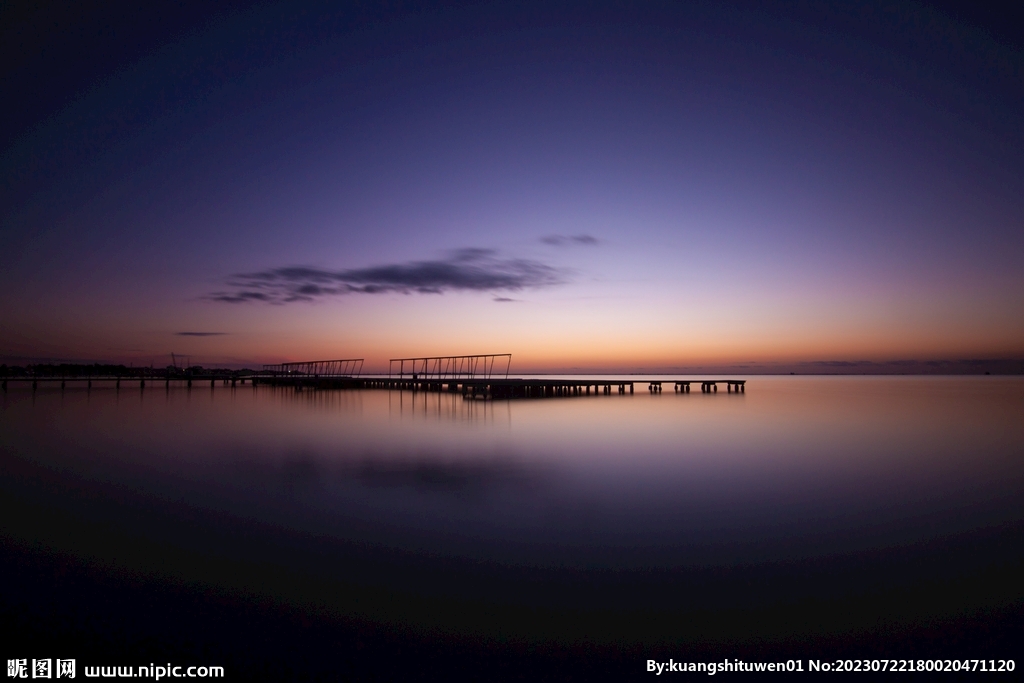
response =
{"points": [[155, 378], [492, 388], [546, 387]]}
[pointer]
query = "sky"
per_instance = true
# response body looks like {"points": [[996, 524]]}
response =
{"points": [[588, 186]]}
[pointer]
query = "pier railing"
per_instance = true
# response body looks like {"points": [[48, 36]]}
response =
{"points": [[483, 366]]}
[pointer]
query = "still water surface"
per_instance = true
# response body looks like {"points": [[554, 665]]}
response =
{"points": [[797, 469]]}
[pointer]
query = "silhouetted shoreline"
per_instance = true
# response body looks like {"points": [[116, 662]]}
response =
{"points": [[827, 368]]}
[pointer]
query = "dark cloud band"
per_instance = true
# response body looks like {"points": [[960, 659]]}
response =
{"points": [[199, 334], [570, 240], [464, 270]]}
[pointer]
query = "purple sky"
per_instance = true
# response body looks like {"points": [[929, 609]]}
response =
{"points": [[583, 186]]}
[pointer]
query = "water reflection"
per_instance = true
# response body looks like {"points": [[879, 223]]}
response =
{"points": [[794, 469], [447, 406]]}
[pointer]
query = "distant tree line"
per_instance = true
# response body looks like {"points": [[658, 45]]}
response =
{"points": [[110, 370]]}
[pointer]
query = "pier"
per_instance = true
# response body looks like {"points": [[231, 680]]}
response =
{"points": [[482, 376], [515, 387], [475, 377], [152, 378]]}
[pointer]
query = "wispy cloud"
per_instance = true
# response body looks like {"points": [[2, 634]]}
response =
{"points": [[199, 334], [463, 270], [570, 240]]}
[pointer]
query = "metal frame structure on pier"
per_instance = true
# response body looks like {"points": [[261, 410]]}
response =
{"points": [[344, 367], [484, 366]]}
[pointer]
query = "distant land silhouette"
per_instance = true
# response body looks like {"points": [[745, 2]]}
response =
{"points": [[964, 366], [22, 367], [105, 369]]}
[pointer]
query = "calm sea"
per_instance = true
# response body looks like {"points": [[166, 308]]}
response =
{"points": [[806, 507]]}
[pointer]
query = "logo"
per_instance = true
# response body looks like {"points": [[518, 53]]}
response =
{"points": [[41, 668]]}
